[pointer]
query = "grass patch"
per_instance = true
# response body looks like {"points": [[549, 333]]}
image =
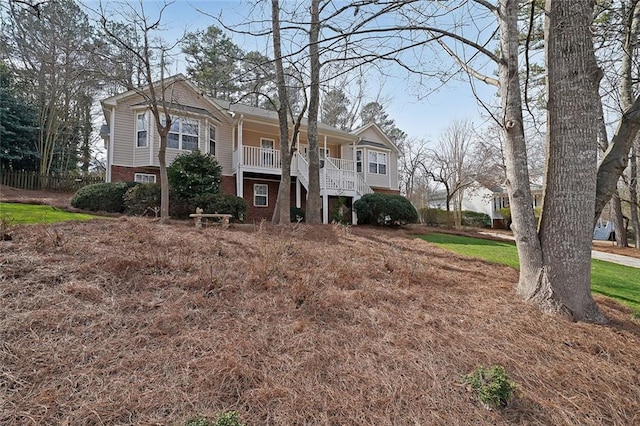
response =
{"points": [[32, 213], [619, 282]]}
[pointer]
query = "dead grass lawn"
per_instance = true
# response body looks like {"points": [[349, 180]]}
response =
{"points": [[129, 322]]}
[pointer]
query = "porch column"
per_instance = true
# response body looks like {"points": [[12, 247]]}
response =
{"points": [[325, 208], [298, 193], [240, 149], [354, 216], [239, 182]]}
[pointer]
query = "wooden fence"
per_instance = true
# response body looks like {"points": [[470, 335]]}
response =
{"points": [[55, 182]]}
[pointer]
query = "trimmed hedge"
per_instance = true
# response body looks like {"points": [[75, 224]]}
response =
{"points": [[433, 216], [475, 219], [143, 199], [437, 217], [106, 197], [384, 209]]}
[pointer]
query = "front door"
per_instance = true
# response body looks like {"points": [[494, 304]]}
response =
{"points": [[267, 152]]}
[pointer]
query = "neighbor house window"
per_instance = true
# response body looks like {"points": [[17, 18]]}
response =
{"points": [[359, 161], [377, 163], [212, 140], [183, 134], [142, 139], [144, 178], [260, 195]]}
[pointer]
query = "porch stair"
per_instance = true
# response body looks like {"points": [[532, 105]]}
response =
{"points": [[333, 178]]}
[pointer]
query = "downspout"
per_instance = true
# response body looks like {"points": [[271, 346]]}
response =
{"points": [[239, 173], [112, 129]]}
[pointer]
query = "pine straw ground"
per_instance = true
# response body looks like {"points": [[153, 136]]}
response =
{"points": [[130, 322]]}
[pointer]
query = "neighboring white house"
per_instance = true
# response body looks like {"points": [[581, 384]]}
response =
{"points": [[245, 141], [481, 199]]}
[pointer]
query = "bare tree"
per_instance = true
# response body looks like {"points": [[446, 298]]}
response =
{"points": [[414, 156], [151, 59], [453, 165]]}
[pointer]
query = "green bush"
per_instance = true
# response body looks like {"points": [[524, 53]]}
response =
{"points": [[384, 209], [433, 217], [475, 219], [297, 214], [106, 197], [492, 385], [143, 199], [193, 174], [341, 212], [220, 203]]}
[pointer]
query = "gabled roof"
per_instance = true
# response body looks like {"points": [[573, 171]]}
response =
{"points": [[272, 117], [178, 78], [388, 142]]}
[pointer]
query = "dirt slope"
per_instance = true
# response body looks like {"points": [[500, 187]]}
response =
{"points": [[129, 322]]}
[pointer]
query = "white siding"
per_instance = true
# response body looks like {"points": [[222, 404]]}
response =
{"points": [[127, 154], [479, 199]]}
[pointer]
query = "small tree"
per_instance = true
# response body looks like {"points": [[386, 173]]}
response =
{"points": [[193, 174]]}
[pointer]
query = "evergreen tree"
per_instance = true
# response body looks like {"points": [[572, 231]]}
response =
{"points": [[17, 127]]}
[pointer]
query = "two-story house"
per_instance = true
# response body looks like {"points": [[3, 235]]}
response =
{"points": [[245, 141]]}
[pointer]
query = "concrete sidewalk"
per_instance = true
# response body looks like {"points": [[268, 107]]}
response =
{"points": [[595, 254]]}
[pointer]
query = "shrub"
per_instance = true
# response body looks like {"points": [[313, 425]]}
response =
{"points": [[297, 214], [341, 212], [476, 219], [107, 197], [227, 418], [492, 385], [384, 209], [192, 174], [220, 203], [433, 217], [142, 199]]}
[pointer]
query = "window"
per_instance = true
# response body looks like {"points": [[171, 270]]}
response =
{"points": [[141, 130], [212, 140], [144, 178], [359, 161], [377, 163], [260, 195], [183, 134]]}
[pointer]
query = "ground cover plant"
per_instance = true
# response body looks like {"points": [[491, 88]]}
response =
{"points": [[609, 279], [131, 322], [18, 213]]}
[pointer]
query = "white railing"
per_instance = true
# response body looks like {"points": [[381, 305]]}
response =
{"points": [[363, 187], [343, 180], [303, 170], [342, 164], [264, 158]]}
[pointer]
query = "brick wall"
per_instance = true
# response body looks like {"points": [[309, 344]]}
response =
{"points": [[126, 174], [228, 185]]}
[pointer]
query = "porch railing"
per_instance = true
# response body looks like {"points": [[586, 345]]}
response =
{"points": [[263, 158]]}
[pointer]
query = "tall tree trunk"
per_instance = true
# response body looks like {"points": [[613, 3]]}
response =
{"points": [[314, 201], [282, 212], [566, 228], [555, 265], [633, 196], [164, 180], [523, 221]]}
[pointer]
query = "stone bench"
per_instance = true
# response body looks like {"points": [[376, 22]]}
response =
{"points": [[198, 216]]}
